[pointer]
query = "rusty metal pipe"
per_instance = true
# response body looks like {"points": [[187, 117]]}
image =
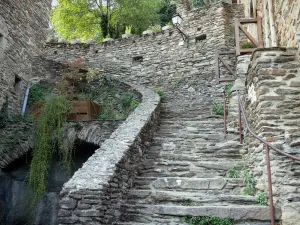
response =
{"points": [[272, 211], [240, 124]]}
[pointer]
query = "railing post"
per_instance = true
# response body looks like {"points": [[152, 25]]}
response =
{"points": [[272, 211], [240, 123], [225, 119]]}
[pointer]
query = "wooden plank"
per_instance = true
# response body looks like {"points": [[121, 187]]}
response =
{"points": [[227, 66], [226, 52], [248, 50], [237, 37], [245, 21], [252, 39], [226, 79], [259, 32]]}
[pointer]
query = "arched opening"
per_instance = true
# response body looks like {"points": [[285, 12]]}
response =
{"points": [[17, 83]]}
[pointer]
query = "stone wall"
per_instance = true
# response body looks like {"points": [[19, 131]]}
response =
{"points": [[93, 195], [22, 34], [272, 105], [161, 59], [285, 18]]}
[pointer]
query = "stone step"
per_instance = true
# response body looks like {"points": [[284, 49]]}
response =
{"points": [[205, 185], [184, 223], [186, 198], [198, 169], [142, 213]]}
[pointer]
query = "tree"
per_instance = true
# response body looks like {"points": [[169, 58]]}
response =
{"points": [[96, 19]]}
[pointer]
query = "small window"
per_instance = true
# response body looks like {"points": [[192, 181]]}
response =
{"points": [[138, 58], [200, 37], [18, 83]]}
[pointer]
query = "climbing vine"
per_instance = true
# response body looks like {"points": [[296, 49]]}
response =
{"points": [[49, 140]]}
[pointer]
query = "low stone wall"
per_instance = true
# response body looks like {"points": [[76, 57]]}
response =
{"points": [[272, 105], [93, 195]]}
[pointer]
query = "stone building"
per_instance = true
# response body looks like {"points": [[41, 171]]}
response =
{"points": [[23, 27], [281, 24]]}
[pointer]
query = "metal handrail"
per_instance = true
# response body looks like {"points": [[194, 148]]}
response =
{"points": [[261, 139], [268, 147]]}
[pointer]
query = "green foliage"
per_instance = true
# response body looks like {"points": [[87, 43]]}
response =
{"points": [[38, 92], [128, 101], [89, 19], [262, 198], [155, 28], [160, 92], [218, 109], [206, 220], [49, 140], [234, 173], [128, 29], [247, 45], [248, 181], [228, 88], [4, 113], [74, 79], [166, 12]]}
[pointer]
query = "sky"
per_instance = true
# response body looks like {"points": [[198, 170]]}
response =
{"points": [[54, 2]]}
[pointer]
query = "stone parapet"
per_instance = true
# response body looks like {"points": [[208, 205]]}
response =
{"points": [[94, 194]]}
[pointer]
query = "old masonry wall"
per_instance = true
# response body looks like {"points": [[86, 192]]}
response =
{"points": [[23, 27]]}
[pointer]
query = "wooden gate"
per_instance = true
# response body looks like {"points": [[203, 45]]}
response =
{"points": [[239, 27]]}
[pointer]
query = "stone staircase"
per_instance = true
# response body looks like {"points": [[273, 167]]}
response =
{"points": [[184, 171]]}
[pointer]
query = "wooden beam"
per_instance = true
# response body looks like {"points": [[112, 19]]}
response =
{"points": [[252, 39], [259, 32], [248, 50], [227, 66], [226, 79], [244, 21], [226, 52]]}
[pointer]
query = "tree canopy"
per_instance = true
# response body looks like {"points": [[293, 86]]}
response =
{"points": [[97, 19]]}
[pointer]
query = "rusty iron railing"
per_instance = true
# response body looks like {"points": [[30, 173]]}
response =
{"points": [[268, 147]]}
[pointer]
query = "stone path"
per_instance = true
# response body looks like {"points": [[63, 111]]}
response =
{"points": [[184, 171]]}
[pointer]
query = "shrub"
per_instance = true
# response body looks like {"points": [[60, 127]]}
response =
{"points": [[38, 92], [262, 198], [218, 109], [160, 92], [247, 44], [228, 88]]}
